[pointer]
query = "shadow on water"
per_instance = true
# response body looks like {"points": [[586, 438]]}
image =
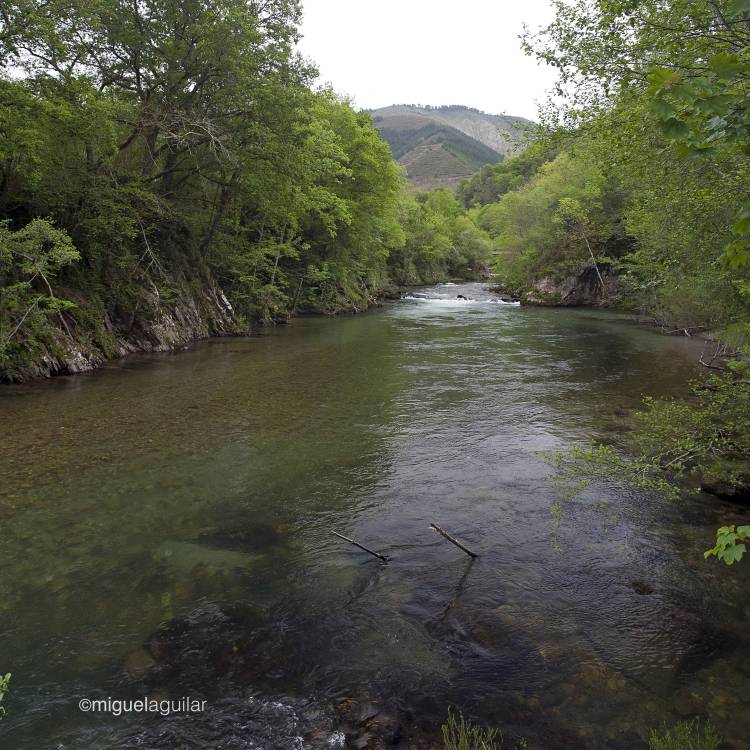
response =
{"points": [[166, 532]]}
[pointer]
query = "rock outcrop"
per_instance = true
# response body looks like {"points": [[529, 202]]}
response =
{"points": [[158, 326], [580, 289]]}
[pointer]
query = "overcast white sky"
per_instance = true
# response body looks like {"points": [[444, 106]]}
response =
{"points": [[428, 52]]}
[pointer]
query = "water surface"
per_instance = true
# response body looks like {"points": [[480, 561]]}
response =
{"points": [[194, 494]]}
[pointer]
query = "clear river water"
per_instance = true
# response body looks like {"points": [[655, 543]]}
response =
{"points": [[165, 531]]}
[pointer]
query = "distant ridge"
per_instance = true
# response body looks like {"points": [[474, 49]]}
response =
{"points": [[440, 146]]}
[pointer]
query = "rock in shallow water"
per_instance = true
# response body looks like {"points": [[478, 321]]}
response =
{"points": [[139, 662]]}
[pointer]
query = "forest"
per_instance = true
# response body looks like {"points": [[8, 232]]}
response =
{"points": [[155, 155]]}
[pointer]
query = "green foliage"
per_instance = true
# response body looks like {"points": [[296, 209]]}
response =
{"points": [[29, 258], [701, 112], [729, 544], [441, 241], [174, 165], [546, 226], [658, 91], [705, 437], [4, 683], [491, 182], [459, 734], [685, 735]]}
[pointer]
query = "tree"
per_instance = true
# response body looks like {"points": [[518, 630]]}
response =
{"points": [[29, 259]]}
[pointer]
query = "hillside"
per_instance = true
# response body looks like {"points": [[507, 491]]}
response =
{"points": [[440, 146]]}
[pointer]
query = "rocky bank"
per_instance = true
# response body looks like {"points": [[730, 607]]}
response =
{"points": [[155, 325], [582, 288]]}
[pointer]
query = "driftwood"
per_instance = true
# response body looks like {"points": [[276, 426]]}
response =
{"points": [[361, 546], [721, 353], [668, 329], [453, 541]]}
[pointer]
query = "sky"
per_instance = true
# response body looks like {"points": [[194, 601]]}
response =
{"points": [[429, 52]]}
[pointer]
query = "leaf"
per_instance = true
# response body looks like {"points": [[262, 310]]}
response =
{"points": [[734, 554], [738, 8], [661, 78], [726, 66], [736, 254], [675, 128], [663, 109]]}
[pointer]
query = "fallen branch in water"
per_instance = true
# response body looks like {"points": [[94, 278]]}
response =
{"points": [[361, 546], [453, 541], [722, 352], [668, 329]]}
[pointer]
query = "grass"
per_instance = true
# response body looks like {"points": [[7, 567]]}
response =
{"points": [[460, 734], [4, 682], [686, 735]]}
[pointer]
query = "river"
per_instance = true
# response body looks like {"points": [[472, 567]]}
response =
{"points": [[166, 531]]}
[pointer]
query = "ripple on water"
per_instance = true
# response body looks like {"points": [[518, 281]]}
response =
{"points": [[198, 492]]}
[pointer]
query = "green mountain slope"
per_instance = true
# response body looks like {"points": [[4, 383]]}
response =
{"points": [[440, 146]]}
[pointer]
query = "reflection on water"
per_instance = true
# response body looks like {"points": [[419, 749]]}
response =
{"points": [[176, 510]]}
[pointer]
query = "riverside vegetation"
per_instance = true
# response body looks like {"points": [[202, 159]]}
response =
{"points": [[157, 157], [640, 174]]}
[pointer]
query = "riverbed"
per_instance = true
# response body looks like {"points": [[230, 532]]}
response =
{"points": [[166, 531]]}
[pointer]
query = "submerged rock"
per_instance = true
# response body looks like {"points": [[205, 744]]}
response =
{"points": [[641, 588], [252, 538], [139, 662], [216, 646], [182, 558], [737, 492]]}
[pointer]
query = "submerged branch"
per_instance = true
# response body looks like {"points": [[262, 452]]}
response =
{"points": [[453, 541], [361, 546]]}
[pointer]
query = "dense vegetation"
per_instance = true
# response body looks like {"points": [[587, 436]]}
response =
{"points": [[157, 155], [642, 171], [644, 154], [441, 241]]}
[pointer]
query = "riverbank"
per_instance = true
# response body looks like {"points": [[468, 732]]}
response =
{"points": [[193, 312], [157, 327]]}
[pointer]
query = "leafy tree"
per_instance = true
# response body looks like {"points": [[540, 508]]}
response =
{"points": [[29, 259], [560, 219], [493, 181], [181, 149]]}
